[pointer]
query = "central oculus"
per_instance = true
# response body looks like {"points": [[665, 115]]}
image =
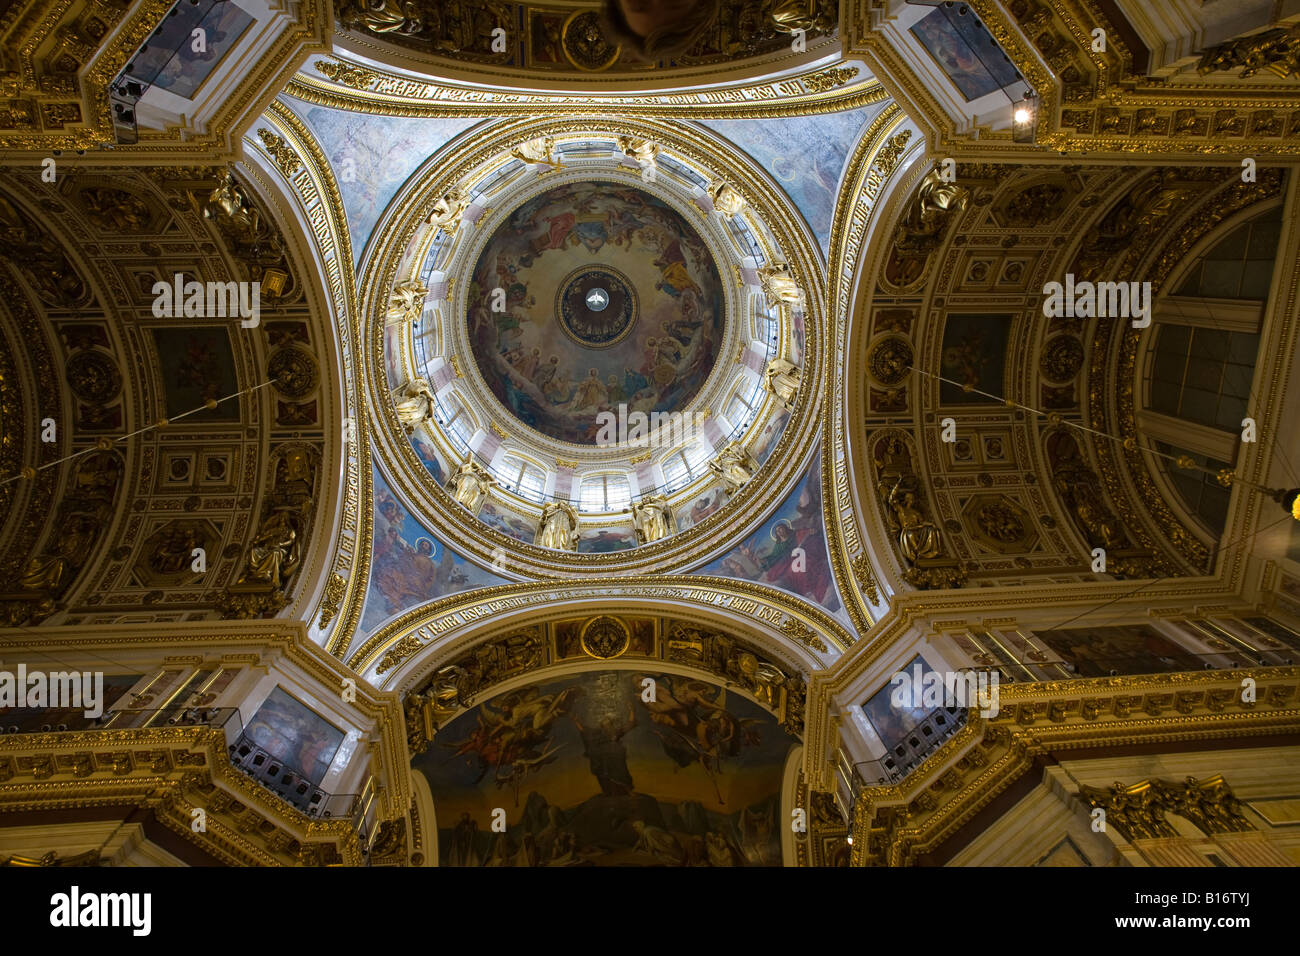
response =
{"points": [[611, 298], [596, 306]]}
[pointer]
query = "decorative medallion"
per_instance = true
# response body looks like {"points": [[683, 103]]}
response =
{"points": [[1062, 359], [294, 372], [891, 360], [585, 45], [93, 377], [596, 306], [605, 637]]}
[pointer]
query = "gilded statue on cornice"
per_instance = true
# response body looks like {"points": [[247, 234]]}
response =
{"points": [[406, 301], [414, 403], [558, 527], [726, 200], [537, 152], [782, 379], [651, 517], [779, 285], [448, 209], [470, 484], [735, 466]]}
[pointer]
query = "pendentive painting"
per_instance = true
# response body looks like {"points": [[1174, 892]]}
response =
{"points": [[789, 550], [591, 773]]}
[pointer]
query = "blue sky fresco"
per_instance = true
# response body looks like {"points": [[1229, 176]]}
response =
{"points": [[805, 154], [380, 152]]}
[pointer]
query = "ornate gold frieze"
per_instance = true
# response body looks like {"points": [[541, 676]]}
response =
{"points": [[894, 824]]}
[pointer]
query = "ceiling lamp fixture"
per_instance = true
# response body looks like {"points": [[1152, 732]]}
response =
{"points": [[1024, 118]]}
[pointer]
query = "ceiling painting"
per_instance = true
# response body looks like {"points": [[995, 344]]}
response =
{"points": [[611, 298]]}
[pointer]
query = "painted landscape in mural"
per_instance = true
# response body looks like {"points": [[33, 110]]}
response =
{"points": [[768, 555], [409, 565], [290, 731], [590, 774], [650, 343]]}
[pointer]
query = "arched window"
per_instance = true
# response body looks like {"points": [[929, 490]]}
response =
{"points": [[604, 492], [1201, 366], [524, 478]]}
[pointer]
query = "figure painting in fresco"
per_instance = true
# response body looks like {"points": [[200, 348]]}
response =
{"points": [[591, 772], [789, 551], [534, 369]]}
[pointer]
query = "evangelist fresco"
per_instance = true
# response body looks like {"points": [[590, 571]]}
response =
{"points": [[195, 365], [373, 156], [789, 550], [591, 774], [556, 357], [806, 156], [975, 354], [1128, 649], [410, 565], [964, 51], [290, 731]]}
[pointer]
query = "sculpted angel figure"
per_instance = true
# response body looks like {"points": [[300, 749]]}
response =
{"points": [[448, 209], [558, 527], [414, 403], [779, 285], [470, 484], [735, 466], [726, 200], [643, 151], [406, 301], [651, 517], [782, 379], [537, 152]]}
